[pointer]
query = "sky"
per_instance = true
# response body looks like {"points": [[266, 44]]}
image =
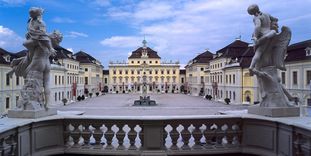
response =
{"points": [[178, 30]]}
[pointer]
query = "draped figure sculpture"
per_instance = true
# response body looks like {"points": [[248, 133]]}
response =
{"points": [[35, 66], [270, 51]]}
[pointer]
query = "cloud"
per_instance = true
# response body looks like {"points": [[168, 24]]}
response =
{"points": [[101, 3], [9, 39], [122, 41], [74, 34], [181, 29], [70, 49], [62, 20], [13, 2]]}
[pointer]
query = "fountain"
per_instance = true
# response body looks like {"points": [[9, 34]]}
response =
{"points": [[144, 99]]}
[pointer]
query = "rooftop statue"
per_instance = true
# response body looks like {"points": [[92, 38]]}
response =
{"points": [[35, 66], [270, 50]]}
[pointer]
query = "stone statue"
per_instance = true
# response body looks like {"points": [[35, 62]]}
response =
{"points": [[270, 50], [35, 66]]}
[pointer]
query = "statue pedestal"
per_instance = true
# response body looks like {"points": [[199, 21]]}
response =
{"points": [[274, 111], [33, 114]]}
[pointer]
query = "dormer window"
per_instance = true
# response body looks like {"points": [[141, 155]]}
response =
{"points": [[308, 51], [7, 58]]}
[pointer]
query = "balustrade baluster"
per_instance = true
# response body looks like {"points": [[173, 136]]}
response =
{"points": [[120, 136], [12, 143], [186, 135], [97, 134], [86, 134], [197, 135], [174, 136], [109, 135], [132, 135], [75, 134]]}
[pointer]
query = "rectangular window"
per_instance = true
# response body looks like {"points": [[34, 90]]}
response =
{"points": [[156, 72], [7, 103], [174, 72], [182, 80], [126, 72], [120, 71], [17, 80], [17, 98], [106, 80], [295, 78], [150, 72], [55, 96], [233, 79], [308, 79], [283, 77], [62, 79], [86, 69], [162, 72], [86, 80], [7, 80], [230, 79], [168, 72], [59, 80], [114, 72], [55, 79], [202, 69]]}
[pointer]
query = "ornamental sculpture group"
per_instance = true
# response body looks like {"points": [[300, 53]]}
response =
{"points": [[270, 47], [35, 68]]}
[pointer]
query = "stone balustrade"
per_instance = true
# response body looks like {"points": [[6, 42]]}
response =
{"points": [[158, 135]]}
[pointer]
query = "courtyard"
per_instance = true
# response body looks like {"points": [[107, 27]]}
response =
{"points": [[167, 105]]}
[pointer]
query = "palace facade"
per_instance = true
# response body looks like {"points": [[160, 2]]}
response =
{"points": [[144, 66], [71, 75]]}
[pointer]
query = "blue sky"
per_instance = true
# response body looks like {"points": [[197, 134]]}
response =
{"points": [[177, 29]]}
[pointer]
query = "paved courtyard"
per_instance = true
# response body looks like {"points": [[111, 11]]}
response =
{"points": [[167, 104]]}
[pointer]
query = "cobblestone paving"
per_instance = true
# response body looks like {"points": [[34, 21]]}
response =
{"points": [[167, 105]]}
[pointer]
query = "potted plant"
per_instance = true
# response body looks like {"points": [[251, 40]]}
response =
{"points": [[79, 98], [90, 94], [97, 93], [64, 100], [227, 101], [82, 97]]}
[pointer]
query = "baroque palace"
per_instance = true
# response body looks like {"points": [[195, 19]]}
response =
{"points": [[145, 65], [223, 74]]}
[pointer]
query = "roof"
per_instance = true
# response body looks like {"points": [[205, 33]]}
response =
{"points": [[182, 71], [138, 53], [62, 53], [83, 57], [297, 52], [106, 72], [3, 61], [233, 50], [246, 58], [204, 57], [3, 52]]}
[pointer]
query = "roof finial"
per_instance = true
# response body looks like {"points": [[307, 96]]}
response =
{"points": [[239, 37], [144, 41]]}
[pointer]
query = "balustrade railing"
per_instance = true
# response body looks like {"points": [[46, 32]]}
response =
{"points": [[8, 143], [155, 136]]}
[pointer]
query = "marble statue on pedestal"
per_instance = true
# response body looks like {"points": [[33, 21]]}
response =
{"points": [[270, 51], [35, 66]]}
